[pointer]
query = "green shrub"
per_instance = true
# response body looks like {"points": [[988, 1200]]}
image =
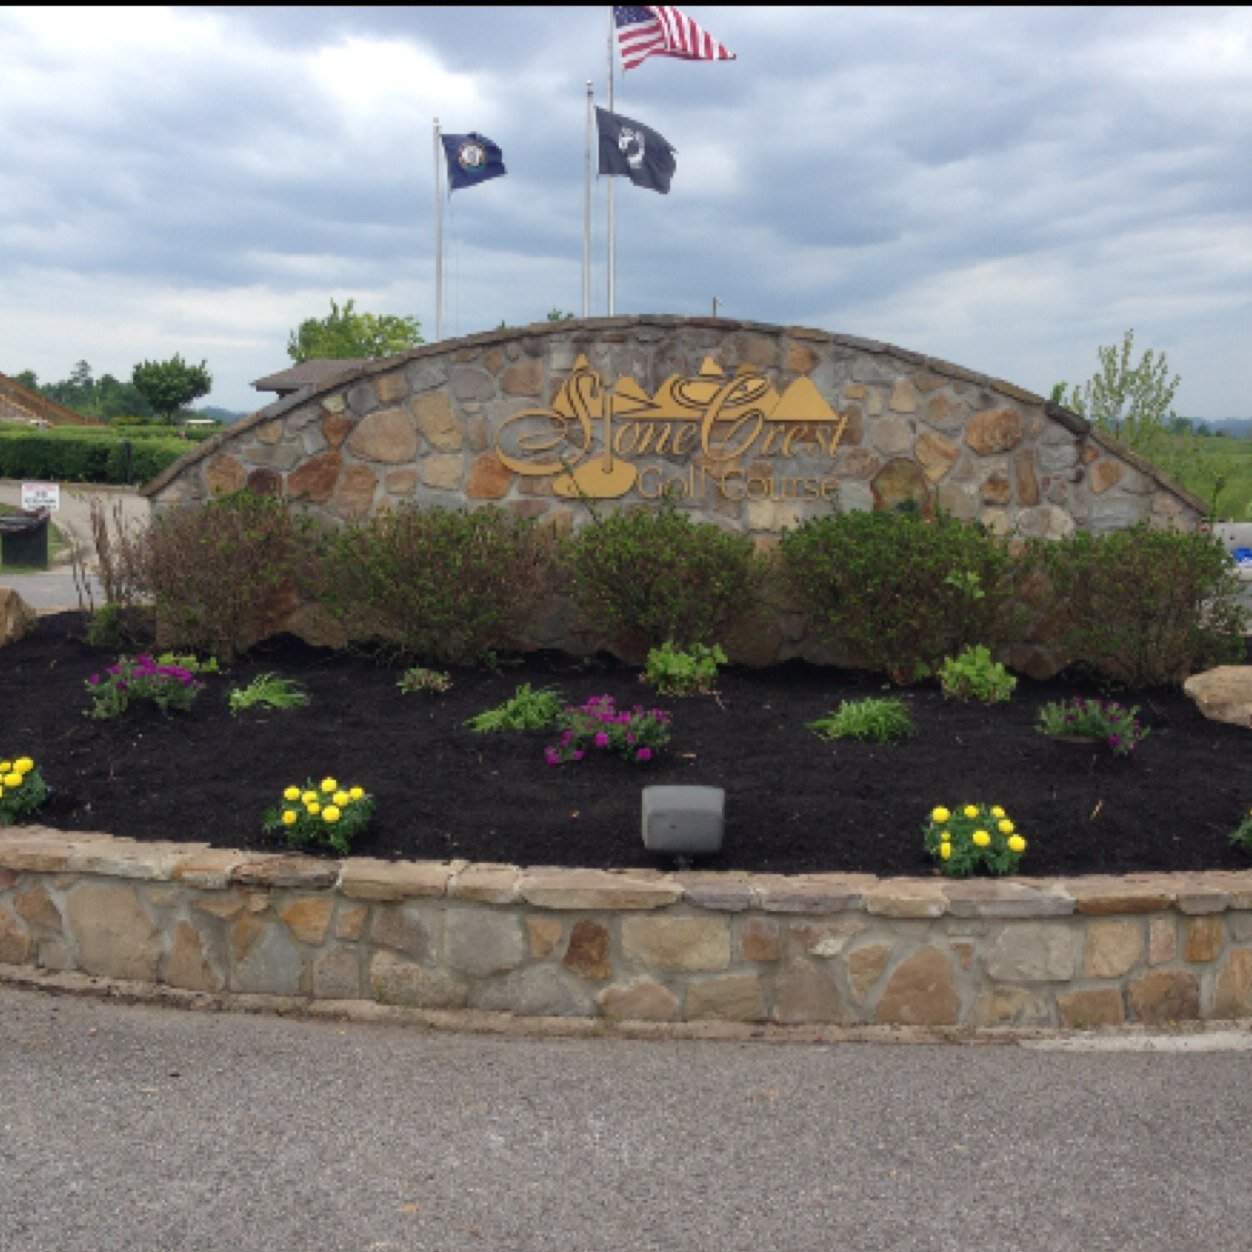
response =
{"points": [[444, 586], [419, 680], [973, 675], [645, 576], [218, 573], [873, 719], [84, 454], [683, 671], [1145, 607], [895, 592], [525, 709]]}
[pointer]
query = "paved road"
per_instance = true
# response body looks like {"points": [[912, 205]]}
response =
{"points": [[151, 1129], [55, 589]]}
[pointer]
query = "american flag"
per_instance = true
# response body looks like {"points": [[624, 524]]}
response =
{"points": [[658, 30]]}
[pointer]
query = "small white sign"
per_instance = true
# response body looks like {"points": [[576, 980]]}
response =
{"points": [[37, 496]]}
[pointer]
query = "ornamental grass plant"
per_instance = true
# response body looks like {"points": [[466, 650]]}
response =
{"points": [[873, 719]]}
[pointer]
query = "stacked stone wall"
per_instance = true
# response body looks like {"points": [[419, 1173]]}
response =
{"points": [[632, 946]]}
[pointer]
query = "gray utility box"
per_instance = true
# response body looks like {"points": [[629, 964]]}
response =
{"points": [[683, 821], [1238, 536], [24, 540]]}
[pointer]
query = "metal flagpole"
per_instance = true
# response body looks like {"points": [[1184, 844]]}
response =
{"points": [[608, 189], [587, 209], [438, 244]]}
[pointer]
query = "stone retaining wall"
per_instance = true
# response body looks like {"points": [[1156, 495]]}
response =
{"points": [[632, 945]]}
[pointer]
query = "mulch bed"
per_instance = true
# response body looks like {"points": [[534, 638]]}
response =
{"points": [[794, 803]]}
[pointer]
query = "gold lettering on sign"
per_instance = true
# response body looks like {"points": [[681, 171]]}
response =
{"points": [[727, 419]]}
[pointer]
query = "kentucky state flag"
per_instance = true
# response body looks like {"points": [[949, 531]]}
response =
{"points": [[472, 159], [634, 151]]}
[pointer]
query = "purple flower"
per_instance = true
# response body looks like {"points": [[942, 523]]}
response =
{"points": [[95, 678], [577, 754], [643, 754], [602, 739], [552, 756]]}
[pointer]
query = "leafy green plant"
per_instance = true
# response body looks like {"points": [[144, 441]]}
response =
{"points": [[636, 734], [973, 837], [1145, 607], [873, 719], [190, 662], [324, 815], [896, 591], [267, 691], [644, 576], [525, 709], [683, 671], [22, 789], [419, 681], [132, 681], [973, 675], [439, 586], [1241, 836], [1116, 724]]}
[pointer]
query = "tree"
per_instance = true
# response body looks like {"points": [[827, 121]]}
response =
{"points": [[347, 333], [1134, 404], [169, 385]]}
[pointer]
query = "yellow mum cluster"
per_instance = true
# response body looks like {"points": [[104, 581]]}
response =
{"points": [[12, 773], [327, 801], [974, 836]]}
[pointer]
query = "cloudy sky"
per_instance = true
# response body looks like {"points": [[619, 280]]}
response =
{"points": [[1004, 188]]}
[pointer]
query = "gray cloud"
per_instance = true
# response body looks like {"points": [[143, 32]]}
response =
{"points": [[1006, 188]]}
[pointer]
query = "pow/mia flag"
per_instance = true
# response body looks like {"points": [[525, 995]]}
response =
{"points": [[472, 159], [634, 151]]}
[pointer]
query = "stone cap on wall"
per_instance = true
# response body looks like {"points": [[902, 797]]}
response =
{"points": [[40, 849]]}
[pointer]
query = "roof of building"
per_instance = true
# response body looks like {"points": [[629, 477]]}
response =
{"points": [[307, 374]]}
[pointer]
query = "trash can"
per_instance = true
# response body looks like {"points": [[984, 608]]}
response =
{"points": [[24, 540]]}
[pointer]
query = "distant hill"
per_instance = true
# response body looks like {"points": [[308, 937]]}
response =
{"points": [[1236, 427]]}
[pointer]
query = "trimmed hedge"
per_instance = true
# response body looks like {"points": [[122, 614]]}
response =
{"points": [[71, 456]]}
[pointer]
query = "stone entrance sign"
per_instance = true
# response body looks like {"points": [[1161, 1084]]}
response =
{"points": [[754, 426]]}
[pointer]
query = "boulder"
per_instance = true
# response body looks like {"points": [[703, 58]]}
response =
{"points": [[16, 616], [1223, 694]]}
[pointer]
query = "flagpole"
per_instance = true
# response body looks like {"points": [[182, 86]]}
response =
{"points": [[438, 244], [608, 191], [587, 208]]}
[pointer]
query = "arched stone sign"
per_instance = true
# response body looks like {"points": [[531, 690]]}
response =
{"points": [[753, 426]]}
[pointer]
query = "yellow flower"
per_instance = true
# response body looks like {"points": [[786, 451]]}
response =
{"points": [[996, 811], [341, 798], [12, 780], [291, 793], [313, 808], [357, 792], [971, 810], [981, 838], [330, 813], [1017, 843], [329, 785], [289, 817], [5, 766], [1005, 827], [945, 850], [23, 765], [940, 814], [308, 797]]}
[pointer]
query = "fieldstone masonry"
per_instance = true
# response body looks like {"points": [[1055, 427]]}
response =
{"points": [[444, 424], [638, 945]]}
